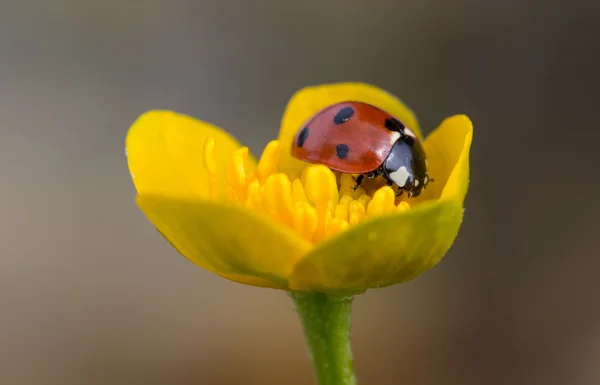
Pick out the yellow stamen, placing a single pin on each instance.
(268, 160)
(343, 225)
(231, 194)
(347, 184)
(356, 212)
(253, 194)
(305, 220)
(321, 190)
(299, 215)
(210, 164)
(278, 191)
(320, 184)
(258, 200)
(298, 191)
(336, 225)
(364, 199)
(345, 200)
(316, 206)
(402, 207)
(382, 202)
(237, 173)
(341, 211)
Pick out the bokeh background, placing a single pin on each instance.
(91, 294)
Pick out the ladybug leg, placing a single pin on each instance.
(399, 192)
(358, 181)
(429, 180)
(389, 183)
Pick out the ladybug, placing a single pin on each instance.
(358, 138)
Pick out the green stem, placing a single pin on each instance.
(326, 322)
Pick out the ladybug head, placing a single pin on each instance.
(406, 167)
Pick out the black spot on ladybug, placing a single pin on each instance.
(394, 124)
(343, 115)
(302, 137)
(341, 150)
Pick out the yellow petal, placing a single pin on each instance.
(165, 152)
(251, 281)
(387, 250)
(447, 150)
(308, 101)
(227, 239)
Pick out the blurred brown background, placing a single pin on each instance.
(91, 294)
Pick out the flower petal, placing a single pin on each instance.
(308, 101)
(381, 252)
(227, 239)
(165, 155)
(447, 150)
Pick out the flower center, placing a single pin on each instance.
(318, 204)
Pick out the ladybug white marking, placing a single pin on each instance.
(400, 176)
(394, 138)
(416, 183)
(408, 132)
(426, 180)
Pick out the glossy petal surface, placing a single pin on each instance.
(227, 239)
(381, 252)
(165, 155)
(447, 149)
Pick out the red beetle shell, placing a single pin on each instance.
(349, 137)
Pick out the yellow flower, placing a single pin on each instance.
(281, 223)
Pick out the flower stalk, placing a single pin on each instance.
(326, 322)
